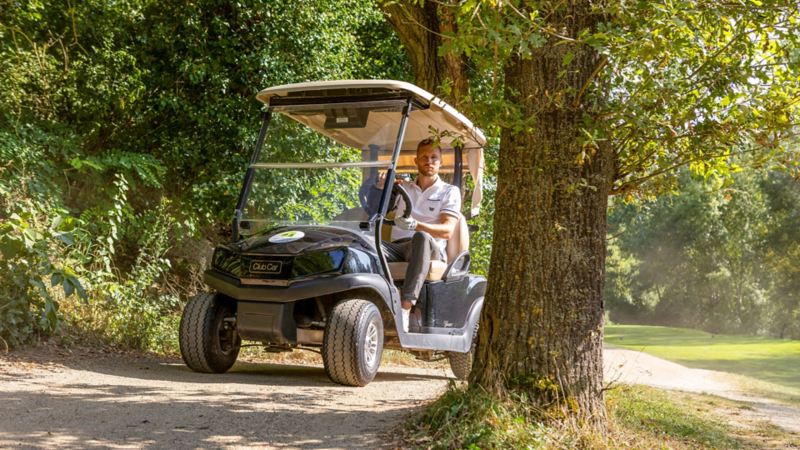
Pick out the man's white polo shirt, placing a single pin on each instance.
(428, 205)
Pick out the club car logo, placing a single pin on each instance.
(265, 267)
(286, 236)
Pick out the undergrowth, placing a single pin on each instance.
(470, 418)
(96, 275)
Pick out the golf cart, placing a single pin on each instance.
(305, 268)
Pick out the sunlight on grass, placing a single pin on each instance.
(767, 366)
(654, 412)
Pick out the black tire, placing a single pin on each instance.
(209, 344)
(461, 363)
(353, 343)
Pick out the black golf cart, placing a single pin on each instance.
(305, 268)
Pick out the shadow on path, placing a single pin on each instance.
(159, 403)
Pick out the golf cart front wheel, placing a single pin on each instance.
(208, 338)
(353, 343)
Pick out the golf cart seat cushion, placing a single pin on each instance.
(398, 270)
(458, 242)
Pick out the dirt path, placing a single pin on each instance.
(89, 399)
(627, 366)
(118, 401)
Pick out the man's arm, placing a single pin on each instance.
(442, 230)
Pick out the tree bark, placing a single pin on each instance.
(542, 321)
(422, 30)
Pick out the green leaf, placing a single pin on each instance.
(56, 279)
(10, 247)
(66, 238)
(69, 288)
(568, 57)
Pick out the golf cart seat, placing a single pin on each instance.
(457, 245)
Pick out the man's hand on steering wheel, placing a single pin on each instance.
(403, 223)
(406, 222)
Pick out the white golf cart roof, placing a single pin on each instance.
(438, 114)
(433, 114)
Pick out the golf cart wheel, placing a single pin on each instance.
(208, 338)
(353, 343)
(461, 363)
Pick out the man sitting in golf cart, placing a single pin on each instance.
(423, 236)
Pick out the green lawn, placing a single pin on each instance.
(772, 360)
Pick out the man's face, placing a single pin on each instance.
(428, 160)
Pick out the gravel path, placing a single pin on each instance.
(88, 399)
(117, 401)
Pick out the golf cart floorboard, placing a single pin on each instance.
(437, 331)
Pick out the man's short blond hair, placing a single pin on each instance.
(427, 142)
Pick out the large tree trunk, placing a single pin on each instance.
(542, 323)
(421, 29)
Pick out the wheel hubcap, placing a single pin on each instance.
(227, 336)
(371, 344)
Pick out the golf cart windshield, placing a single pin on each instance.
(303, 177)
(328, 141)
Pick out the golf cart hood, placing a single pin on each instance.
(296, 240)
(287, 253)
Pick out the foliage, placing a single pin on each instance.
(36, 238)
(716, 256)
(696, 82)
(683, 84)
(131, 121)
(782, 255)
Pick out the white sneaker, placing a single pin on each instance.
(406, 318)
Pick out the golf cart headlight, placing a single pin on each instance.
(318, 263)
(226, 261)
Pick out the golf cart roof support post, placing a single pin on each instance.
(386, 194)
(458, 164)
(248, 175)
(373, 156)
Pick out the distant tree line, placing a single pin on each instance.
(722, 257)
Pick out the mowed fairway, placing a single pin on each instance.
(774, 361)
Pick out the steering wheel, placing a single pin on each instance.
(397, 189)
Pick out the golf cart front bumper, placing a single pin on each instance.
(325, 285)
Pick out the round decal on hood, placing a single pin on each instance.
(286, 236)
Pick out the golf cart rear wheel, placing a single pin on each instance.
(208, 338)
(353, 343)
(461, 363)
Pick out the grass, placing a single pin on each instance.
(641, 414)
(766, 366)
(639, 417)
(686, 420)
